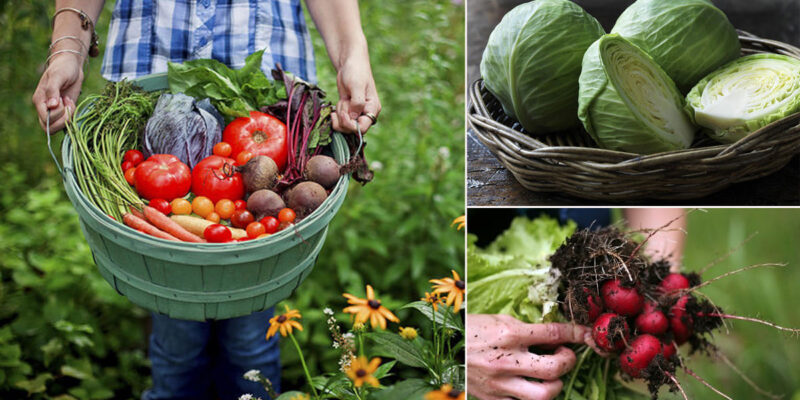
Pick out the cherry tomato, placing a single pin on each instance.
(263, 235)
(255, 229)
(223, 149)
(242, 218)
(284, 225)
(130, 175)
(181, 206)
(217, 233)
(240, 204)
(216, 178)
(260, 134)
(213, 217)
(286, 215)
(161, 205)
(202, 206)
(243, 157)
(162, 176)
(126, 165)
(134, 156)
(225, 208)
(270, 224)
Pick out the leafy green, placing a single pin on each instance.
(512, 275)
(687, 38)
(628, 103)
(745, 95)
(532, 62)
(233, 92)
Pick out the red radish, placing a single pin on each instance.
(622, 300)
(651, 320)
(668, 350)
(673, 282)
(680, 322)
(594, 304)
(610, 331)
(643, 349)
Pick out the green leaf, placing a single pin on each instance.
(392, 345)
(51, 350)
(410, 389)
(288, 395)
(444, 314)
(35, 385)
(77, 368)
(337, 385)
(383, 369)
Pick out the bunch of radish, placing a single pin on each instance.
(639, 312)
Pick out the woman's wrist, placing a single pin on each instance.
(352, 49)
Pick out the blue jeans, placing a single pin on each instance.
(206, 360)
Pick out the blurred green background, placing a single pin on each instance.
(64, 333)
(771, 358)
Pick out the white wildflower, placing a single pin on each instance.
(253, 375)
(248, 396)
(444, 152)
(376, 165)
(327, 311)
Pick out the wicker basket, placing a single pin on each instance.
(570, 162)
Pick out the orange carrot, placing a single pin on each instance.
(163, 222)
(142, 225)
(136, 212)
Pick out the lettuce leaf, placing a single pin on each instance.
(512, 275)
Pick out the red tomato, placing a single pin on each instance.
(129, 176)
(161, 205)
(240, 204)
(222, 149)
(215, 177)
(162, 176)
(255, 229)
(217, 233)
(242, 218)
(260, 134)
(134, 156)
(270, 224)
(126, 165)
(286, 215)
(243, 157)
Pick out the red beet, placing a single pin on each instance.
(680, 322)
(643, 349)
(651, 320)
(594, 304)
(668, 350)
(610, 331)
(673, 282)
(622, 300)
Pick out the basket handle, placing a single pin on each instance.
(50, 147)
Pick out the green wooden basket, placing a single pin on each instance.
(203, 281)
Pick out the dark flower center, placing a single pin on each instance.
(374, 304)
(361, 373)
(282, 319)
(460, 285)
(453, 394)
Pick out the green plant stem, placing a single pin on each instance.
(574, 373)
(305, 367)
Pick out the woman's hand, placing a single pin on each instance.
(58, 90)
(499, 361)
(357, 96)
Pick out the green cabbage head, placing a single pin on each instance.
(628, 103)
(532, 61)
(745, 95)
(687, 38)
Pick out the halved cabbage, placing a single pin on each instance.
(745, 95)
(687, 38)
(627, 102)
(532, 62)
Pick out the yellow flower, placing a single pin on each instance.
(454, 287)
(301, 396)
(369, 309)
(408, 333)
(360, 371)
(285, 322)
(446, 392)
(461, 221)
(434, 299)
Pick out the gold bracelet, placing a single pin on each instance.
(75, 38)
(47, 62)
(86, 24)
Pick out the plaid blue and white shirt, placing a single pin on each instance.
(145, 34)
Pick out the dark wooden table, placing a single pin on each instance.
(490, 184)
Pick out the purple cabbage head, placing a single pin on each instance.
(183, 127)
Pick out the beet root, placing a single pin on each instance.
(673, 282)
(260, 172)
(622, 300)
(323, 170)
(609, 332)
(305, 197)
(681, 321)
(643, 349)
(651, 320)
(263, 203)
(594, 304)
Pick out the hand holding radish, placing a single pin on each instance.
(500, 362)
